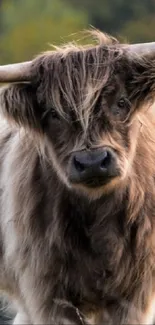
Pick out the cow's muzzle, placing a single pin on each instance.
(93, 168)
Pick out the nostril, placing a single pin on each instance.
(106, 160)
(78, 165)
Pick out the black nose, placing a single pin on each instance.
(93, 167)
(84, 162)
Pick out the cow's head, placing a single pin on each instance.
(84, 104)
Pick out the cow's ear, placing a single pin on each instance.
(141, 81)
(18, 104)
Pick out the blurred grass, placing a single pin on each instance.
(29, 28)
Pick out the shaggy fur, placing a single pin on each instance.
(71, 254)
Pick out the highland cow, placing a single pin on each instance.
(77, 185)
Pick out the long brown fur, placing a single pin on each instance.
(70, 254)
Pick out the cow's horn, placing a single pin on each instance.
(22, 71)
(15, 72)
(141, 48)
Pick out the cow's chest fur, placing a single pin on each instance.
(89, 259)
(83, 253)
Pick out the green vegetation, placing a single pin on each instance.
(27, 27)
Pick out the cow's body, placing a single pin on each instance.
(42, 222)
(85, 253)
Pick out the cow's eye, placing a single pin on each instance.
(122, 107)
(54, 114)
(122, 103)
(50, 114)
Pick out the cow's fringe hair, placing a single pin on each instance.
(73, 75)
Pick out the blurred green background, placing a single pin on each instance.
(27, 27)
